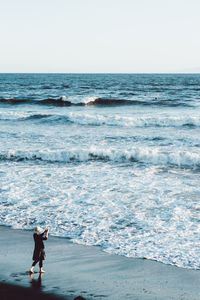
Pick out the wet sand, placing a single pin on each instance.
(79, 271)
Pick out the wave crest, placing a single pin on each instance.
(137, 154)
(95, 102)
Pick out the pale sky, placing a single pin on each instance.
(95, 36)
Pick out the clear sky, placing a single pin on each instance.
(123, 36)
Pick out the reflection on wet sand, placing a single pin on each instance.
(36, 283)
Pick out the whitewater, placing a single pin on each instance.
(111, 160)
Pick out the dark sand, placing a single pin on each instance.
(11, 292)
(76, 270)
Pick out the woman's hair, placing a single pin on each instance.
(38, 230)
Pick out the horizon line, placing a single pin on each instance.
(158, 73)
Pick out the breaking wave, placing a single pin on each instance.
(83, 118)
(134, 121)
(154, 156)
(62, 101)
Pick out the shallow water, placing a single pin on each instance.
(123, 175)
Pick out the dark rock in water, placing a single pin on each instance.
(14, 101)
(58, 102)
(66, 86)
(104, 101)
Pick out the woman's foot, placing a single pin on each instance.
(42, 271)
(31, 270)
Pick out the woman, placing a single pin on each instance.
(39, 251)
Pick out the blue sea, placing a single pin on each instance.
(111, 160)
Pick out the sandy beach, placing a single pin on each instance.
(80, 271)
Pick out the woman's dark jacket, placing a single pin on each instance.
(39, 251)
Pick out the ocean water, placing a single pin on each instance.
(104, 159)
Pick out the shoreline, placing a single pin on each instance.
(74, 270)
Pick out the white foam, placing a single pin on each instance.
(133, 212)
(86, 100)
(13, 115)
